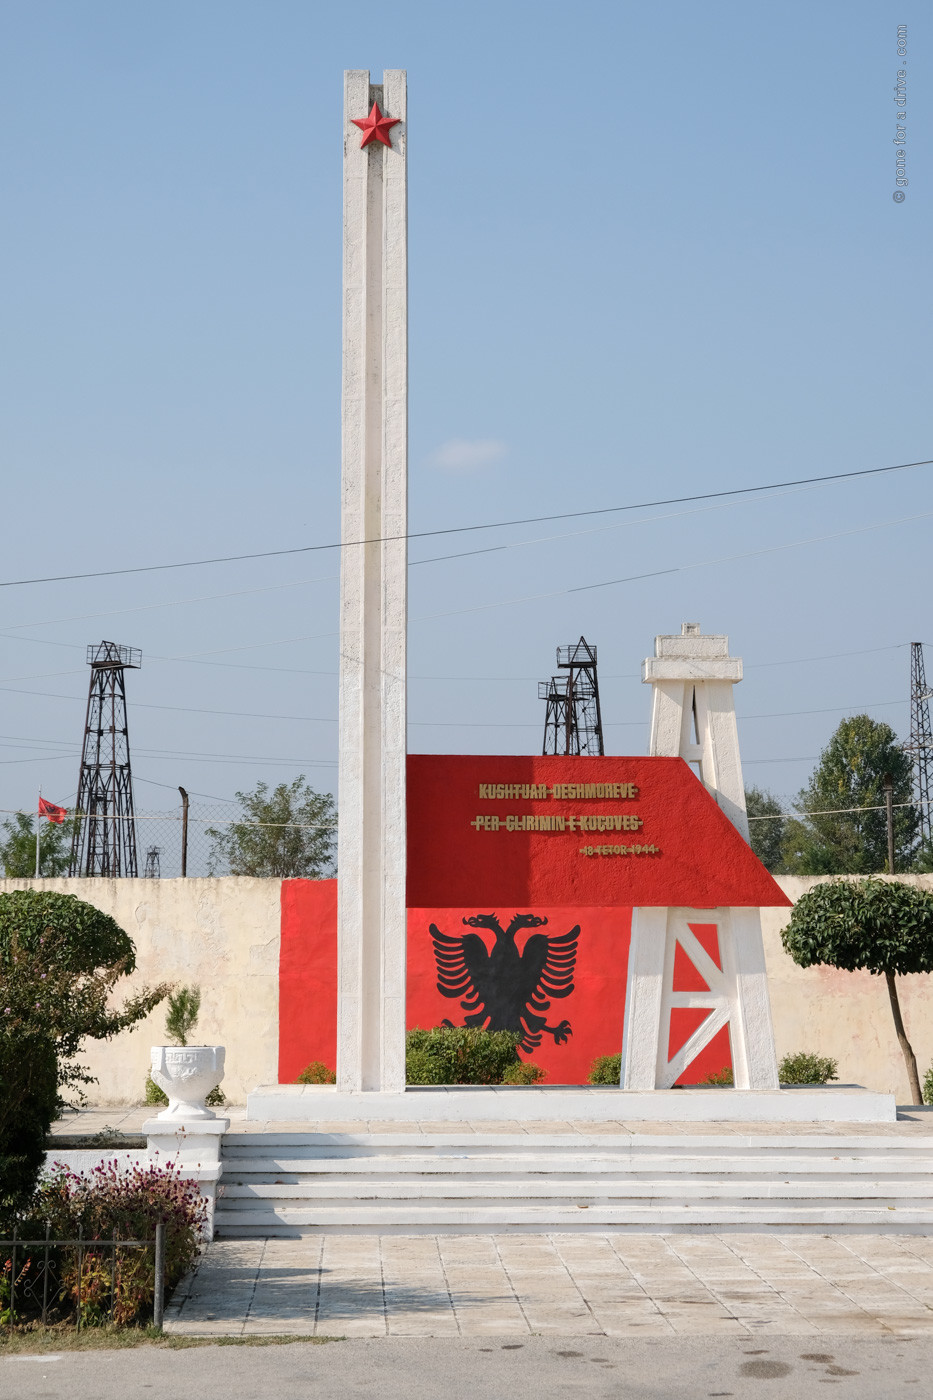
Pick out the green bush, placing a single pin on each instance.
(928, 1086)
(154, 1095)
(60, 961)
(525, 1072)
(719, 1078)
(316, 1073)
(459, 1055)
(606, 1069)
(803, 1068)
(28, 1107)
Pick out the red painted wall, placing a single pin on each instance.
(454, 858)
(463, 861)
(307, 976)
(594, 1008)
(308, 984)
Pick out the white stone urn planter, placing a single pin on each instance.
(187, 1074)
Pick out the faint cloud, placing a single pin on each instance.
(467, 455)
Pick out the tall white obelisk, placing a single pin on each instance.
(371, 916)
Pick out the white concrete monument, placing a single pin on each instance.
(371, 926)
(693, 717)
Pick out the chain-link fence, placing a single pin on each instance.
(162, 837)
(169, 845)
(186, 840)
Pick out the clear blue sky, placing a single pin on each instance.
(654, 251)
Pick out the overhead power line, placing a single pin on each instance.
(413, 563)
(834, 811)
(467, 529)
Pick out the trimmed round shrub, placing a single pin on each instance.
(84, 939)
(60, 960)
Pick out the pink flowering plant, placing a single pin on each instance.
(108, 1203)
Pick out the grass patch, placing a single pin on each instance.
(35, 1341)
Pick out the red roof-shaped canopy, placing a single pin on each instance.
(514, 831)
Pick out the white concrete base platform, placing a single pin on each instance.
(282, 1183)
(298, 1103)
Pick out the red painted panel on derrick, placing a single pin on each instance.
(532, 831)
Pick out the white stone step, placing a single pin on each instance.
(582, 1189)
(273, 1169)
(371, 1219)
(288, 1183)
(722, 1144)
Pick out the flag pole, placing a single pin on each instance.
(38, 829)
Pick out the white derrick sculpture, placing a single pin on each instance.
(693, 717)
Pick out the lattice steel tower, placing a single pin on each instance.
(920, 747)
(572, 723)
(105, 831)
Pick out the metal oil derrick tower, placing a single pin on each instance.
(572, 723)
(920, 747)
(105, 830)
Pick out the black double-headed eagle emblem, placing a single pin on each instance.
(502, 989)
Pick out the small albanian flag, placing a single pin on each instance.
(49, 809)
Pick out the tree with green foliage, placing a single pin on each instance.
(18, 846)
(923, 860)
(287, 833)
(60, 961)
(844, 829)
(878, 926)
(766, 828)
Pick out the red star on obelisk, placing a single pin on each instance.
(375, 127)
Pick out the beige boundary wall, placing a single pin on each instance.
(224, 935)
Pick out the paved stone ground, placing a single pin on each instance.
(561, 1285)
(574, 1285)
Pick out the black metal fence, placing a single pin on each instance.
(38, 1284)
